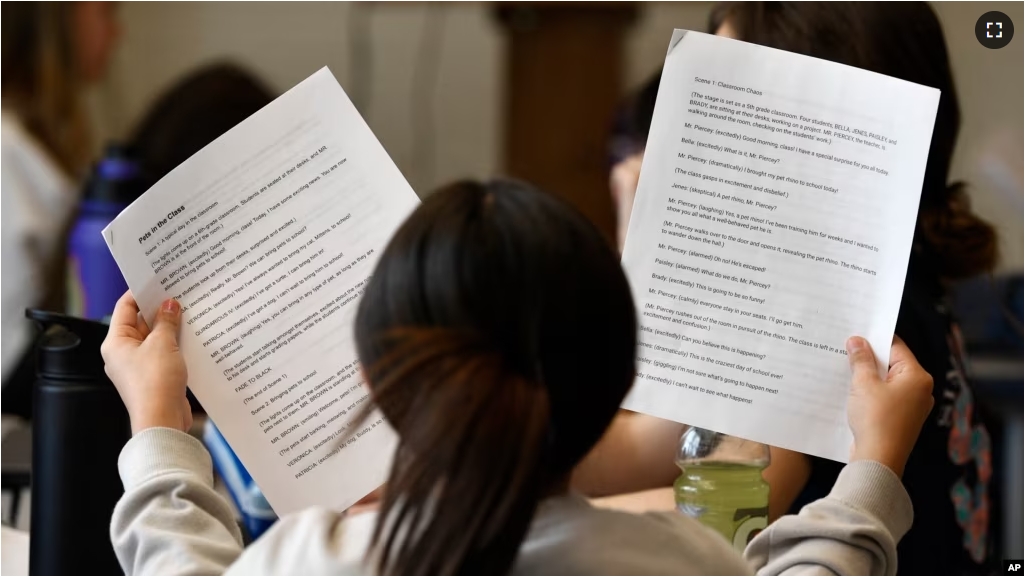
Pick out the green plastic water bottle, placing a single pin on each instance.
(722, 485)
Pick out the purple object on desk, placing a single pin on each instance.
(95, 282)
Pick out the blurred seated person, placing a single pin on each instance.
(193, 113)
(51, 52)
(949, 473)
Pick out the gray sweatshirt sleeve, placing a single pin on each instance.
(853, 531)
(170, 521)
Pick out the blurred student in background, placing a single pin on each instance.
(51, 52)
(949, 472)
(193, 113)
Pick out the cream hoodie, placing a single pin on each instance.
(171, 521)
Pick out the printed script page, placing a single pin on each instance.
(773, 220)
(267, 238)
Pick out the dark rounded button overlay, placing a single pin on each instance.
(994, 30)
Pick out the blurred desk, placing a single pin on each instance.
(16, 469)
(998, 377)
(13, 551)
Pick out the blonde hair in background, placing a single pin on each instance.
(41, 81)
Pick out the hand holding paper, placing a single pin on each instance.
(266, 238)
(147, 366)
(773, 220)
(882, 434)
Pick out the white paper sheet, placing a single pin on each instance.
(267, 237)
(773, 219)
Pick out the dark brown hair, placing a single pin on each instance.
(903, 40)
(497, 335)
(41, 80)
(193, 113)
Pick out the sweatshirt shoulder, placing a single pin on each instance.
(602, 541)
(706, 550)
(315, 541)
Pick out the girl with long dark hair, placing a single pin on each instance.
(497, 337)
(51, 52)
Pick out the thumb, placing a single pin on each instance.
(168, 319)
(863, 361)
(900, 353)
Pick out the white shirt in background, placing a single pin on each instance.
(37, 201)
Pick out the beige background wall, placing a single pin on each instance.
(372, 48)
(442, 64)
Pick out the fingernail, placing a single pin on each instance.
(855, 344)
(170, 306)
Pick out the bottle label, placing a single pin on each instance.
(747, 523)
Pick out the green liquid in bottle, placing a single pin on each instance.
(730, 497)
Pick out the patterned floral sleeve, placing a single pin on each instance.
(969, 446)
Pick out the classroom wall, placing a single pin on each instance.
(989, 152)
(429, 79)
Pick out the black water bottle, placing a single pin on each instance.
(79, 426)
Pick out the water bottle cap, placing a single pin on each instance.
(116, 178)
(69, 347)
(117, 169)
(704, 445)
